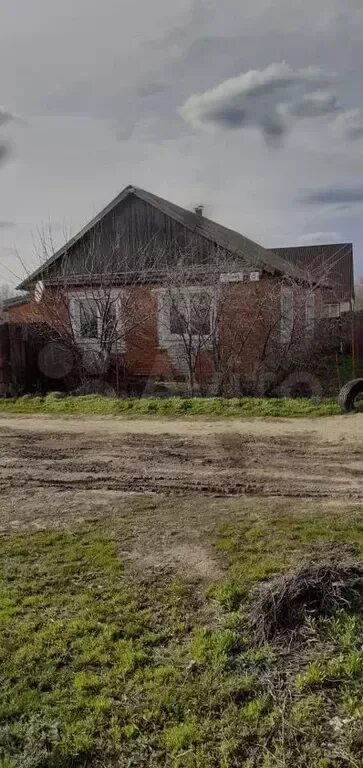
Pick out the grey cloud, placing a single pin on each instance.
(143, 85)
(8, 117)
(149, 90)
(356, 133)
(312, 238)
(4, 152)
(7, 251)
(335, 196)
(350, 124)
(316, 104)
(273, 126)
(130, 78)
(252, 98)
(7, 225)
(76, 99)
(201, 43)
(5, 116)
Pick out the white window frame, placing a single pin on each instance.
(164, 313)
(287, 323)
(75, 297)
(329, 312)
(345, 306)
(310, 312)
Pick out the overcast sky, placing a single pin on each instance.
(253, 108)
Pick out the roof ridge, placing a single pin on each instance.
(310, 245)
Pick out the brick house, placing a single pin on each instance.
(174, 269)
(331, 263)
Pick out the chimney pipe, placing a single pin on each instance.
(199, 210)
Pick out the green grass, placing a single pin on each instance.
(98, 670)
(244, 407)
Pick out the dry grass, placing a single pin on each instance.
(283, 605)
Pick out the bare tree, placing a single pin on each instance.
(97, 302)
(222, 330)
(248, 337)
(6, 292)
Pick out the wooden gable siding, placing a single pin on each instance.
(133, 232)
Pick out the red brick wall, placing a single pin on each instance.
(144, 356)
(24, 313)
(249, 308)
(51, 310)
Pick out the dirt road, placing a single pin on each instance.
(56, 466)
(331, 429)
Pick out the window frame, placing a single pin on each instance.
(74, 299)
(328, 313)
(286, 330)
(164, 313)
(310, 312)
(82, 321)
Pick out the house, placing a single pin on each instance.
(170, 294)
(331, 263)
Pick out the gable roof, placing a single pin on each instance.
(15, 301)
(331, 263)
(228, 239)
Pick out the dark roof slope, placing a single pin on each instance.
(15, 301)
(226, 238)
(331, 263)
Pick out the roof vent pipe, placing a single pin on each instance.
(199, 210)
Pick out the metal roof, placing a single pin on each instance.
(16, 300)
(325, 264)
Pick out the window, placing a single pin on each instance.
(88, 319)
(310, 312)
(178, 316)
(191, 312)
(331, 310)
(185, 313)
(344, 307)
(95, 319)
(287, 314)
(108, 321)
(200, 314)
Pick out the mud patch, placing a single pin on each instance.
(227, 464)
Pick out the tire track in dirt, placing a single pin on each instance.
(227, 464)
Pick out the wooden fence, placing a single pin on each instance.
(21, 348)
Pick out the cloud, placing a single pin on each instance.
(4, 152)
(316, 104)
(137, 62)
(7, 117)
(350, 124)
(253, 98)
(7, 224)
(340, 196)
(7, 251)
(320, 238)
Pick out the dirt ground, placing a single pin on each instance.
(44, 458)
(170, 483)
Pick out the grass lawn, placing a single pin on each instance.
(244, 407)
(103, 668)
